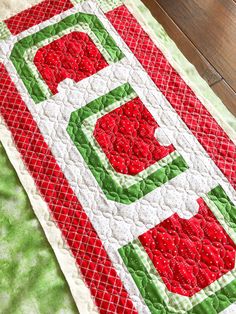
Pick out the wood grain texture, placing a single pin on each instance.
(226, 94)
(205, 31)
(211, 26)
(184, 43)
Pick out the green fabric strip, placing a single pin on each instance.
(4, 31)
(218, 301)
(111, 189)
(24, 261)
(214, 303)
(225, 206)
(17, 54)
(142, 279)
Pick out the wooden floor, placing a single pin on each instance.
(205, 31)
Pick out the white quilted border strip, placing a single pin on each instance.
(79, 290)
(12, 7)
(132, 6)
(16, 6)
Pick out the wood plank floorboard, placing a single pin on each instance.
(184, 44)
(211, 27)
(205, 31)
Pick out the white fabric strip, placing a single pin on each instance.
(113, 230)
(79, 290)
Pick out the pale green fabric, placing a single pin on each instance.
(30, 278)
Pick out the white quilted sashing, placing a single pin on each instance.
(118, 224)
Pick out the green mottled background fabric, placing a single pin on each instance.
(30, 279)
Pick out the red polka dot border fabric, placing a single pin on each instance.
(136, 177)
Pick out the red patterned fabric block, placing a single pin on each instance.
(190, 254)
(73, 56)
(126, 135)
(37, 14)
(178, 93)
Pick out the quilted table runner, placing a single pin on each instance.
(131, 177)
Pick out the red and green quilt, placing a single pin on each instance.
(131, 177)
